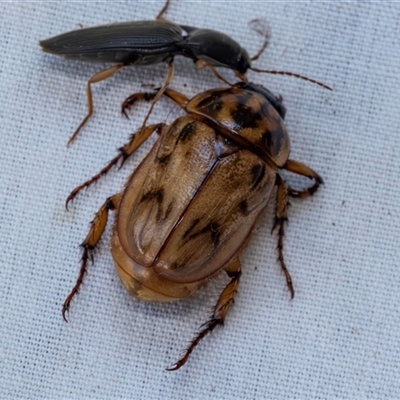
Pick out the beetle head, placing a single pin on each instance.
(243, 62)
(216, 48)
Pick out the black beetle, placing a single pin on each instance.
(152, 42)
(149, 42)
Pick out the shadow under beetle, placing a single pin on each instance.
(153, 42)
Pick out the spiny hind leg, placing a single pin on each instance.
(281, 206)
(98, 77)
(88, 245)
(282, 203)
(226, 299)
(125, 151)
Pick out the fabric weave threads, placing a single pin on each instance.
(338, 338)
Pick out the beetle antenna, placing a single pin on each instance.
(305, 78)
(262, 28)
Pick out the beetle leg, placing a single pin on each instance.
(177, 97)
(163, 11)
(226, 299)
(96, 231)
(204, 63)
(302, 169)
(131, 100)
(161, 91)
(98, 77)
(125, 151)
(281, 206)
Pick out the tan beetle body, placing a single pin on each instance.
(190, 205)
(189, 208)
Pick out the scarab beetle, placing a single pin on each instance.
(188, 210)
(152, 42)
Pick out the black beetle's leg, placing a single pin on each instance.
(177, 97)
(161, 91)
(125, 151)
(133, 98)
(203, 64)
(226, 299)
(281, 206)
(163, 11)
(96, 231)
(301, 169)
(98, 77)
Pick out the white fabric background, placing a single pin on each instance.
(338, 338)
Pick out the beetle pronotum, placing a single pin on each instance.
(152, 42)
(189, 208)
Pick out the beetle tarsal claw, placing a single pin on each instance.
(133, 98)
(65, 311)
(173, 367)
(69, 198)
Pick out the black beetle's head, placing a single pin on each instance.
(216, 48)
(243, 62)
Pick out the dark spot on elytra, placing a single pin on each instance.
(215, 234)
(244, 117)
(273, 138)
(244, 207)
(186, 133)
(194, 223)
(158, 195)
(212, 227)
(244, 97)
(163, 160)
(211, 103)
(257, 172)
(267, 139)
(175, 265)
(168, 211)
(228, 142)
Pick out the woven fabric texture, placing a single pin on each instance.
(338, 338)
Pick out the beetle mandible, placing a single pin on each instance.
(151, 42)
(188, 210)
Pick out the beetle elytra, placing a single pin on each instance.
(188, 210)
